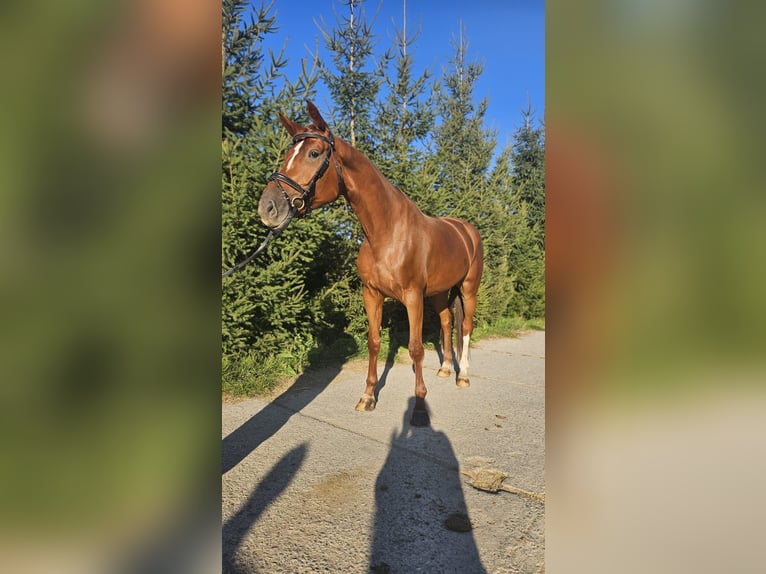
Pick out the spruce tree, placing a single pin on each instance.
(464, 147)
(518, 178)
(355, 80)
(529, 170)
(275, 310)
(497, 228)
(405, 121)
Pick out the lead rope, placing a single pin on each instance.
(272, 234)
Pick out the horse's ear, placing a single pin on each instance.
(316, 117)
(291, 127)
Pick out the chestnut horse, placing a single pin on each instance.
(405, 254)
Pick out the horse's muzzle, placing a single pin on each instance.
(274, 210)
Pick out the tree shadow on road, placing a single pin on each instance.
(238, 444)
(236, 528)
(421, 520)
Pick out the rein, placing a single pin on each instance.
(272, 234)
(296, 203)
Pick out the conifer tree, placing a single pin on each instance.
(464, 146)
(526, 264)
(528, 161)
(276, 309)
(355, 80)
(405, 121)
(497, 228)
(518, 260)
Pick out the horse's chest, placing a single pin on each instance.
(382, 277)
(391, 272)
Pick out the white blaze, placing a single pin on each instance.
(295, 154)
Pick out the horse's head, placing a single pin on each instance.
(302, 183)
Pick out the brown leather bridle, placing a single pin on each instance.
(303, 201)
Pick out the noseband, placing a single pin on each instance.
(306, 193)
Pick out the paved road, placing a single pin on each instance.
(311, 485)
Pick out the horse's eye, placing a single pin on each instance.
(313, 154)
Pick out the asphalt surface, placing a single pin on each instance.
(311, 485)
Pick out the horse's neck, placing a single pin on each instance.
(375, 201)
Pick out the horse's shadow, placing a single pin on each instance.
(421, 519)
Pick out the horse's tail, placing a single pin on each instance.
(458, 313)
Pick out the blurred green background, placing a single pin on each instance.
(663, 102)
(656, 213)
(110, 226)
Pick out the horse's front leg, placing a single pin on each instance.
(413, 301)
(373, 304)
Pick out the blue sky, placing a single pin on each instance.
(507, 36)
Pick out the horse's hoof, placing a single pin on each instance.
(463, 383)
(444, 372)
(420, 419)
(366, 404)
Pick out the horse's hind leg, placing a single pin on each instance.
(441, 305)
(469, 307)
(468, 291)
(373, 304)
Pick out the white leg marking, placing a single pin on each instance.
(295, 154)
(464, 356)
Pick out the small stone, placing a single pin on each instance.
(458, 522)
